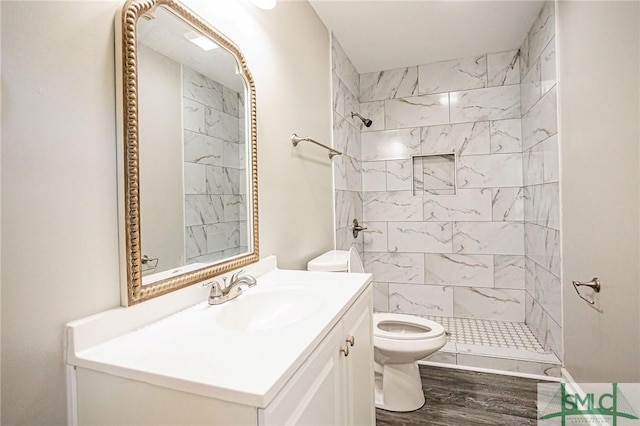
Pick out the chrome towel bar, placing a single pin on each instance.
(295, 140)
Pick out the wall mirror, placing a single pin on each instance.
(186, 151)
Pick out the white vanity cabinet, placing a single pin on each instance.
(334, 385)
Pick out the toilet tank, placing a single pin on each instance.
(331, 261)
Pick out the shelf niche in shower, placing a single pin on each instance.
(434, 174)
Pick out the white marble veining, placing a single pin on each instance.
(494, 103)
(553, 337)
(399, 175)
(232, 205)
(195, 241)
(506, 136)
(548, 67)
(375, 112)
(467, 205)
(541, 121)
(502, 69)
(488, 237)
(230, 102)
(509, 272)
(533, 165)
(459, 270)
(496, 170)
(392, 84)
(548, 293)
(201, 89)
(542, 205)
(222, 236)
(338, 94)
(525, 63)
(420, 237)
(221, 125)
(193, 114)
(348, 173)
(202, 149)
(392, 206)
(375, 238)
(420, 299)
(530, 275)
(489, 303)
(390, 144)
(343, 68)
(425, 110)
(231, 155)
(536, 319)
(351, 104)
(457, 74)
(223, 180)
(507, 204)
(464, 139)
(203, 209)
(542, 30)
(395, 267)
(380, 296)
(195, 181)
(530, 88)
(374, 176)
(434, 174)
(542, 245)
(551, 160)
(348, 206)
(341, 133)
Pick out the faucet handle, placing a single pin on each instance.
(216, 291)
(235, 276)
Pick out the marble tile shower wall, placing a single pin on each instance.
(541, 182)
(214, 185)
(453, 256)
(346, 138)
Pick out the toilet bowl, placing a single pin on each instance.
(399, 341)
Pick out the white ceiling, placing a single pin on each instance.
(382, 35)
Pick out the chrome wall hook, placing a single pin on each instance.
(594, 284)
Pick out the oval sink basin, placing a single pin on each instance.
(270, 308)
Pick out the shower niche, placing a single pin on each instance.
(434, 174)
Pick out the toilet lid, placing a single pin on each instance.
(405, 327)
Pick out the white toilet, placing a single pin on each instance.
(399, 341)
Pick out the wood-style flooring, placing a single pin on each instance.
(461, 398)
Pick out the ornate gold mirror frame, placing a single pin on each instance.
(132, 289)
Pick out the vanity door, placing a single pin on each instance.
(358, 365)
(314, 396)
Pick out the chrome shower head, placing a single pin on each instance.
(365, 121)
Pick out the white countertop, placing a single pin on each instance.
(191, 352)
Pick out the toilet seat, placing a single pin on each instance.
(405, 327)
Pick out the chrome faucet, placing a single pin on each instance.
(219, 295)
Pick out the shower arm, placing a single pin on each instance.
(295, 140)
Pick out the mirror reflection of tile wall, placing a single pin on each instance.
(214, 169)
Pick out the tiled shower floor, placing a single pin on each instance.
(495, 345)
(489, 333)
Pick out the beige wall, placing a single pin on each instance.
(59, 216)
(161, 133)
(599, 81)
